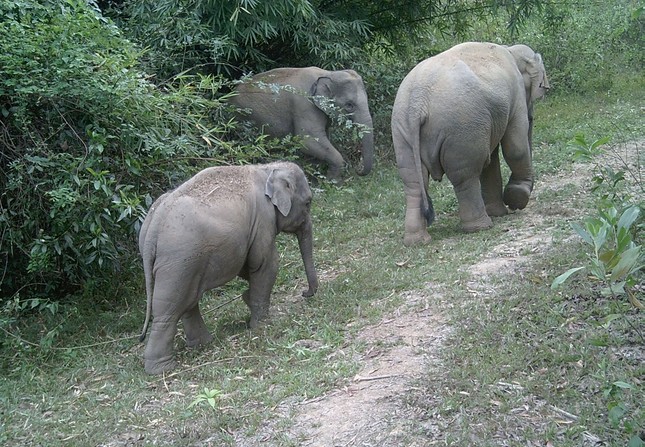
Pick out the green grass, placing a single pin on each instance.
(517, 354)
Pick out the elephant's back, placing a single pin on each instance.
(219, 182)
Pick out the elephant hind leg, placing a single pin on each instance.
(472, 210)
(417, 218)
(196, 331)
(158, 356)
(491, 183)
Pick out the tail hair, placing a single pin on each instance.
(428, 212)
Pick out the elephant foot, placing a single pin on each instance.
(496, 209)
(516, 196)
(414, 239)
(160, 366)
(260, 315)
(203, 339)
(257, 324)
(483, 223)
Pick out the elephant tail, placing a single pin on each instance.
(427, 208)
(148, 264)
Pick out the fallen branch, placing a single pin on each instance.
(565, 413)
(366, 379)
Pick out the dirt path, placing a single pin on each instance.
(371, 410)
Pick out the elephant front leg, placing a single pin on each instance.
(196, 331)
(472, 211)
(321, 149)
(517, 153)
(258, 296)
(491, 184)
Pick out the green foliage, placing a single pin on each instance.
(616, 260)
(210, 397)
(586, 47)
(614, 235)
(607, 176)
(232, 36)
(255, 35)
(619, 411)
(87, 143)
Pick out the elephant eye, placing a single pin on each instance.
(350, 106)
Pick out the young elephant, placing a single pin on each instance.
(220, 224)
(450, 115)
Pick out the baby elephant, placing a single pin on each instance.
(220, 224)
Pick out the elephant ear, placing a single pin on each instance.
(321, 92)
(533, 73)
(279, 188)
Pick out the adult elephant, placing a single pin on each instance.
(451, 114)
(220, 224)
(293, 101)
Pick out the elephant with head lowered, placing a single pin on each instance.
(291, 101)
(220, 224)
(451, 114)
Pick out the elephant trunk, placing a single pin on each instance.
(367, 144)
(305, 242)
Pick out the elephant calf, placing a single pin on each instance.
(300, 109)
(450, 116)
(220, 224)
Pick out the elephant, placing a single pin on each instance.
(220, 224)
(451, 114)
(299, 109)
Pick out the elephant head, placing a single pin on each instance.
(290, 194)
(533, 73)
(347, 91)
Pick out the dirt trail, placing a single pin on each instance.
(371, 410)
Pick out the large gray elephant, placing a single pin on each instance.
(451, 114)
(300, 108)
(220, 224)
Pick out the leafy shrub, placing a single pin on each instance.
(87, 142)
(583, 53)
(617, 259)
(233, 37)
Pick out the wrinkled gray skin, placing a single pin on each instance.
(451, 114)
(220, 224)
(281, 112)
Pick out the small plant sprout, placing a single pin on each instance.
(209, 396)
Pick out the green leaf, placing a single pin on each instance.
(609, 318)
(636, 441)
(616, 414)
(563, 277)
(626, 265)
(583, 233)
(623, 385)
(599, 142)
(628, 217)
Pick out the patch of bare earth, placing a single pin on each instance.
(370, 410)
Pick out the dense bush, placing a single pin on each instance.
(585, 46)
(256, 35)
(87, 141)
